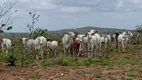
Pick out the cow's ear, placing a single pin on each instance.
(92, 33)
(96, 31)
(26, 39)
(59, 41)
(86, 34)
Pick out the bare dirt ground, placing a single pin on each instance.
(92, 72)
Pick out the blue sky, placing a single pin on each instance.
(65, 14)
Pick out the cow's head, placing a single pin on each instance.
(89, 34)
(80, 37)
(71, 34)
(24, 40)
(48, 43)
(41, 40)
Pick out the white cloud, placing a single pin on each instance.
(66, 13)
(120, 3)
(74, 9)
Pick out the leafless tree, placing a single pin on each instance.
(35, 18)
(5, 9)
(5, 15)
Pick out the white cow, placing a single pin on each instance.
(28, 44)
(83, 46)
(114, 37)
(67, 41)
(89, 35)
(123, 38)
(40, 44)
(52, 45)
(102, 40)
(95, 43)
(6, 44)
(130, 34)
(107, 40)
(85, 41)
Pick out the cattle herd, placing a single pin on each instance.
(90, 43)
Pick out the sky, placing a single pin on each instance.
(67, 14)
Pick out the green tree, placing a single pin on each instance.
(139, 34)
(139, 28)
(40, 32)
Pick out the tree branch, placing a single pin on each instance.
(4, 10)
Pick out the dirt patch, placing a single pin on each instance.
(92, 72)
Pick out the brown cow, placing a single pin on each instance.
(76, 44)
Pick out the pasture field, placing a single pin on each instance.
(114, 65)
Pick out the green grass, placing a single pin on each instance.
(132, 60)
(16, 51)
(34, 76)
(132, 75)
(112, 78)
(98, 75)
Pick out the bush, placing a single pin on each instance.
(29, 59)
(45, 63)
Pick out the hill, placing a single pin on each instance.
(80, 30)
(85, 29)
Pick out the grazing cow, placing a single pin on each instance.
(52, 45)
(6, 44)
(28, 44)
(122, 38)
(40, 44)
(67, 41)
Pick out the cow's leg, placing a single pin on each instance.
(29, 50)
(55, 52)
(88, 51)
(123, 46)
(42, 54)
(119, 47)
(92, 50)
(24, 50)
(3, 50)
(79, 50)
(100, 47)
(64, 50)
(117, 43)
(37, 55)
(105, 45)
(97, 50)
(6, 51)
(69, 51)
